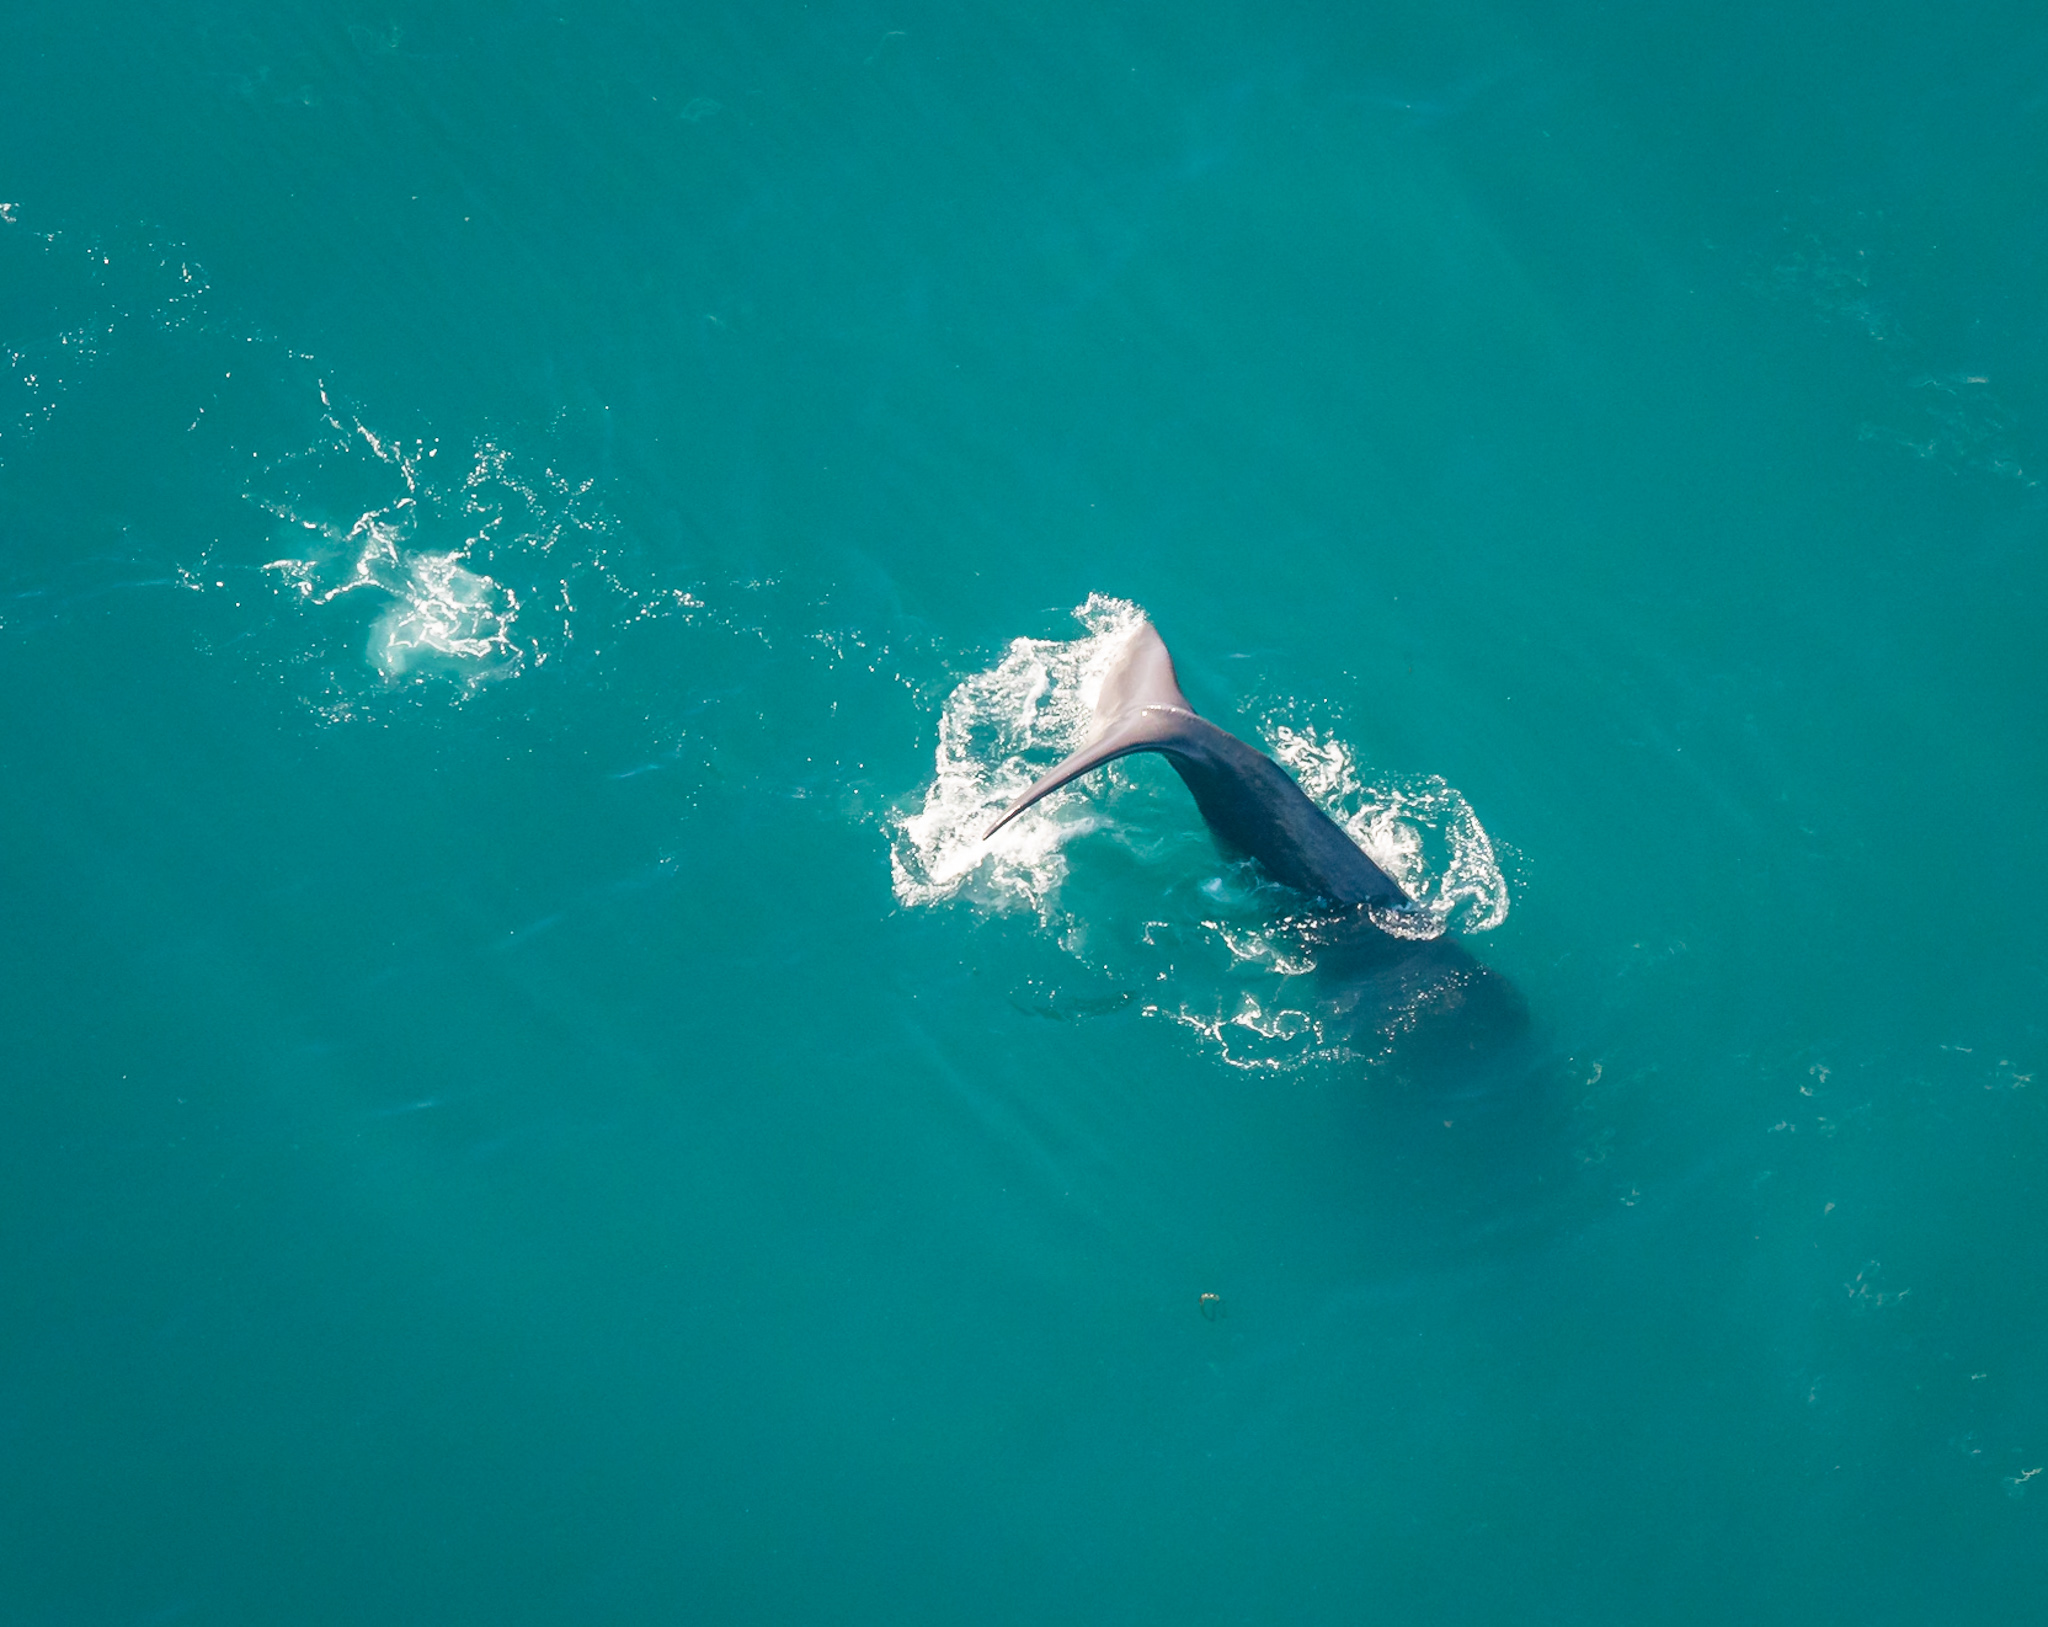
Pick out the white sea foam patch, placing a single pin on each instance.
(438, 612)
(999, 730)
(1263, 1036)
(1422, 832)
(454, 556)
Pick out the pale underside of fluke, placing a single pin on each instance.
(1249, 802)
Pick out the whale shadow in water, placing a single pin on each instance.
(1407, 1005)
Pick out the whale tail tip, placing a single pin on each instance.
(1140, 708)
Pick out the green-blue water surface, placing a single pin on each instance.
(496, 504)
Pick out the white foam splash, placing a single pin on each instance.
(431, 547)
(1000, 730)
(1266, 951)
(1261, 1037)
(446, 611)
(1422, 832)
(442, 615)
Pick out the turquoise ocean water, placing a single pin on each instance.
(530, 543)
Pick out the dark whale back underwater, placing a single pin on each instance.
(1427, 998)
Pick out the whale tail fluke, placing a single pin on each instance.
(1141, 708)
(1249, 802)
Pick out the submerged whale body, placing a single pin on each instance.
(1424, 996)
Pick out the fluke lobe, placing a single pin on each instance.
(1423, 996)
(1247, 799)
